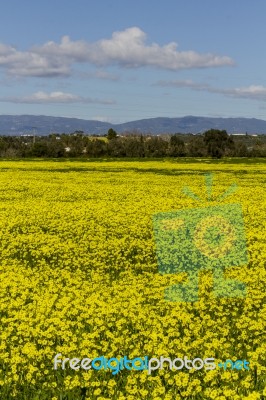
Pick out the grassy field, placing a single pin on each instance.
(79, 276)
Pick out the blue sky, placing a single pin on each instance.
(124, 60)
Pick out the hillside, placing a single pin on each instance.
(43, 125)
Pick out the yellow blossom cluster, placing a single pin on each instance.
(79, 277)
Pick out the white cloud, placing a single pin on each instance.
(104, 118)
(30, 63)
(98, 74)
(54, 97)
(101, 74)
(252, 92)
(183, 84)
(126, 48)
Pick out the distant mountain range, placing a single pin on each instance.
(44, 125)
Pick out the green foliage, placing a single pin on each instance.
(217, 142)
(212, 143)
(177, 146)
(111, 134)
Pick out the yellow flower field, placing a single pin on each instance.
(79, 276)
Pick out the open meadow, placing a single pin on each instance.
(80, 278)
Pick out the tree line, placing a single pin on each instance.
(212, 143)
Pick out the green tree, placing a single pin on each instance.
(39, 149)
(134, 146)
(177, 146)
(241, 150)
(196, 147)
(217, 141)
(111, 134)
(116, 148)
(97, 148)
(155, 147)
